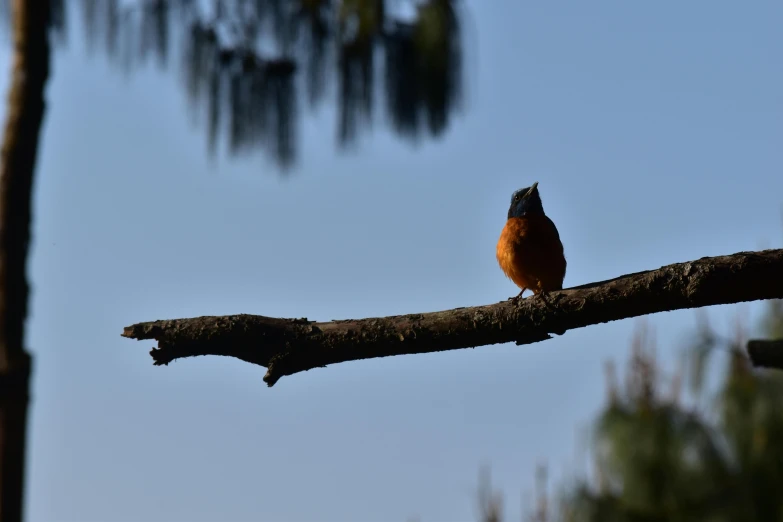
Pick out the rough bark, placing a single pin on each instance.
(288, 346)
(766, 353)
(29, 73)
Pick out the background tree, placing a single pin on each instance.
(664, 455)
(659, 458)
(246, 64)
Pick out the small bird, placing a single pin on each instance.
(529, 250)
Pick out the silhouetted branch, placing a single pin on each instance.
(766, 353)
(288, 346)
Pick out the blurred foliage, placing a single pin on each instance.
(663, 455)
(240, 60)
(773, 321)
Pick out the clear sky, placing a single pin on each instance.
(654, 129)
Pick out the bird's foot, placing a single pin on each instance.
(549, 303)
(546, 298)
(517, 297)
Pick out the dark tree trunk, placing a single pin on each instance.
(29, 72)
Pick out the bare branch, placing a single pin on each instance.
(766, 353)
(289, 346)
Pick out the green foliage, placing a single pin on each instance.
(240, 59)
(773, 320)
(715, 457)
(660, 459)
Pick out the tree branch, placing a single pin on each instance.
(766, 353)
(289, 346)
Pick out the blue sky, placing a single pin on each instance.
(654, 130)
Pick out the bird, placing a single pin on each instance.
(529, 250)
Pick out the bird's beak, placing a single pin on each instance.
(532, 189)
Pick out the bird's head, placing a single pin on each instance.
(526, 201)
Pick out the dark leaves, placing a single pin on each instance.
(659, 459)
(252, 100)
(240, 58)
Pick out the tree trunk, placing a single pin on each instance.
(29, 72)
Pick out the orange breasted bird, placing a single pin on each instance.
(529, 250)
